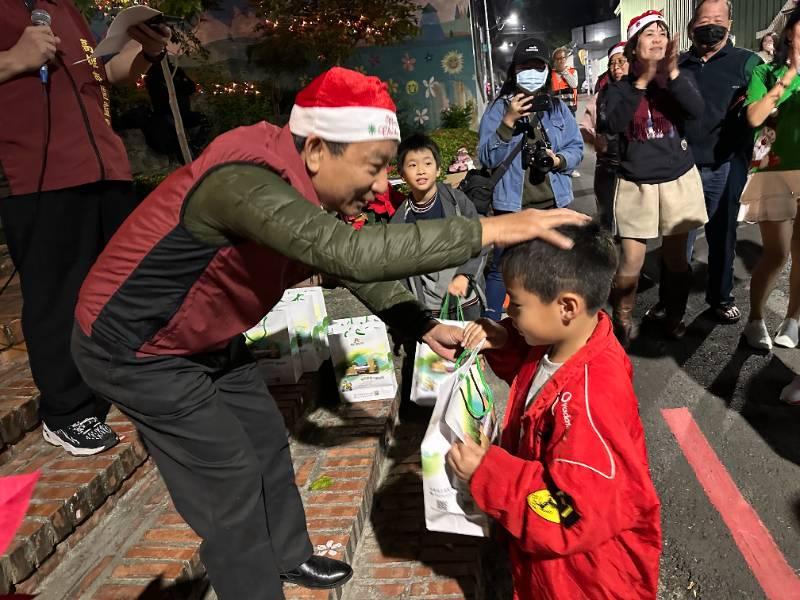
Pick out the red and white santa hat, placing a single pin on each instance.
(345, 106)
(617, 49)
(643, 20)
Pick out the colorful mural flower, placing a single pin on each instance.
(374, 60)
(412, 87)
(392, 85)
(453, 62)
(409, 62)
(422, 116)
(430, 87)
(429, 57)
(361, 69)
(304, 80)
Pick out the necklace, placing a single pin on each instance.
(425, 207)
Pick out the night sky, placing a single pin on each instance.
(560, 14)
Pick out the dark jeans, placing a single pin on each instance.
(495, 286)
(54, 242)
(220, 444)
(723, 188)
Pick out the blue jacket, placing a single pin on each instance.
(562, 130)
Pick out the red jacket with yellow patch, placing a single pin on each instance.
(570, 483)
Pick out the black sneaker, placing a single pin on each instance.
(84, 438)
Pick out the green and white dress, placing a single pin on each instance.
(773, 187)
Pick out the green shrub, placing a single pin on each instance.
(458, 117)
(450, 140)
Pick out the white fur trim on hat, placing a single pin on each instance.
(345, 124)
(638, 24)
(619, 49)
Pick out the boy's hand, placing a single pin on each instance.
(492, 334)
(459, 286)
(465, 458)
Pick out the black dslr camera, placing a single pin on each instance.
(534, 152)
(535, 155)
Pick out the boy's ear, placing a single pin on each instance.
(571, 305)
(312, 153)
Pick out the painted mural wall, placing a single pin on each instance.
(425, 74)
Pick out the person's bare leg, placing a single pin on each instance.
(776, 239)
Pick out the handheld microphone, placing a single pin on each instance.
(42, 17)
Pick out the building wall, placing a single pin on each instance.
(750, 16)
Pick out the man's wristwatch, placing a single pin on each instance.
(155, 59)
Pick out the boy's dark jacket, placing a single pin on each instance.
(454, 203)
(570, 483)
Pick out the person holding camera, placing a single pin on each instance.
(659, 190)
(536, 136)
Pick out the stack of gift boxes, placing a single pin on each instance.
(295, 339)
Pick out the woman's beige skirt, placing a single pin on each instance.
(646, 211)
(770, 196)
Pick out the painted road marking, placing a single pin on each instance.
(754, 541)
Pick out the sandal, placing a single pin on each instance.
(728, 314)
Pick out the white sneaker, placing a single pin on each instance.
(575, 174)
(756, 334)
(791, 393)
(788, 332)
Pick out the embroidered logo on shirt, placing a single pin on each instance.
(554, 508)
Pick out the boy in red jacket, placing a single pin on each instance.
(569, 483)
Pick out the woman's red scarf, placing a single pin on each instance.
(651, 114)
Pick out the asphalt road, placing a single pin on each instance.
(732, 395)
(750, 464)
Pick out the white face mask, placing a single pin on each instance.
(532, 80)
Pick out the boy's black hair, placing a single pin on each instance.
(547, 271)
(415, 143)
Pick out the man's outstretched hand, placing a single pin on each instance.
(515, 228)
(445, 340)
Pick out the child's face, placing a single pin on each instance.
(541, 324)
(420, 170)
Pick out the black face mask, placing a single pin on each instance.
(709, 36)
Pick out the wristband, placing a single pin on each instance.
(155, 59)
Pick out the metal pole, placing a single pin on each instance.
(489, 46)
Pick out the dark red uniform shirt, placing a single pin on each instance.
(82, 147)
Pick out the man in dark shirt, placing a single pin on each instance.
(719, 141)
(65, 187)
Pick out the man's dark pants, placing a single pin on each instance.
(220, 444)
(722, 187)
(53, 242)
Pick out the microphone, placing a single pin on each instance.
(42, 17)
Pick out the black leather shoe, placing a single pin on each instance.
(319, 573)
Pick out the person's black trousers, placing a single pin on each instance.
(53, 242)
(220, 444)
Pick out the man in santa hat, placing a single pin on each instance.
(204, 257)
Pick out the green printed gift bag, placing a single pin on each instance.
(464, 408)
(274, 345)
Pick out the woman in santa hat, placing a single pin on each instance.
(659, 191)
(606, 145)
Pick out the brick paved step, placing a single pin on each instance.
(69, 491)
(142, 544)
(19, 402)
(10, 310)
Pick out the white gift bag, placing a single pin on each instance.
(430, 369)
(274, 344)
(464, 407)
(309, 318)
(362, 359)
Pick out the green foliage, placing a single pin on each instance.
(458, 117)
(144, 184)
(298, 33)
(450, 140)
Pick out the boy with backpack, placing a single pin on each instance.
(419, 162)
